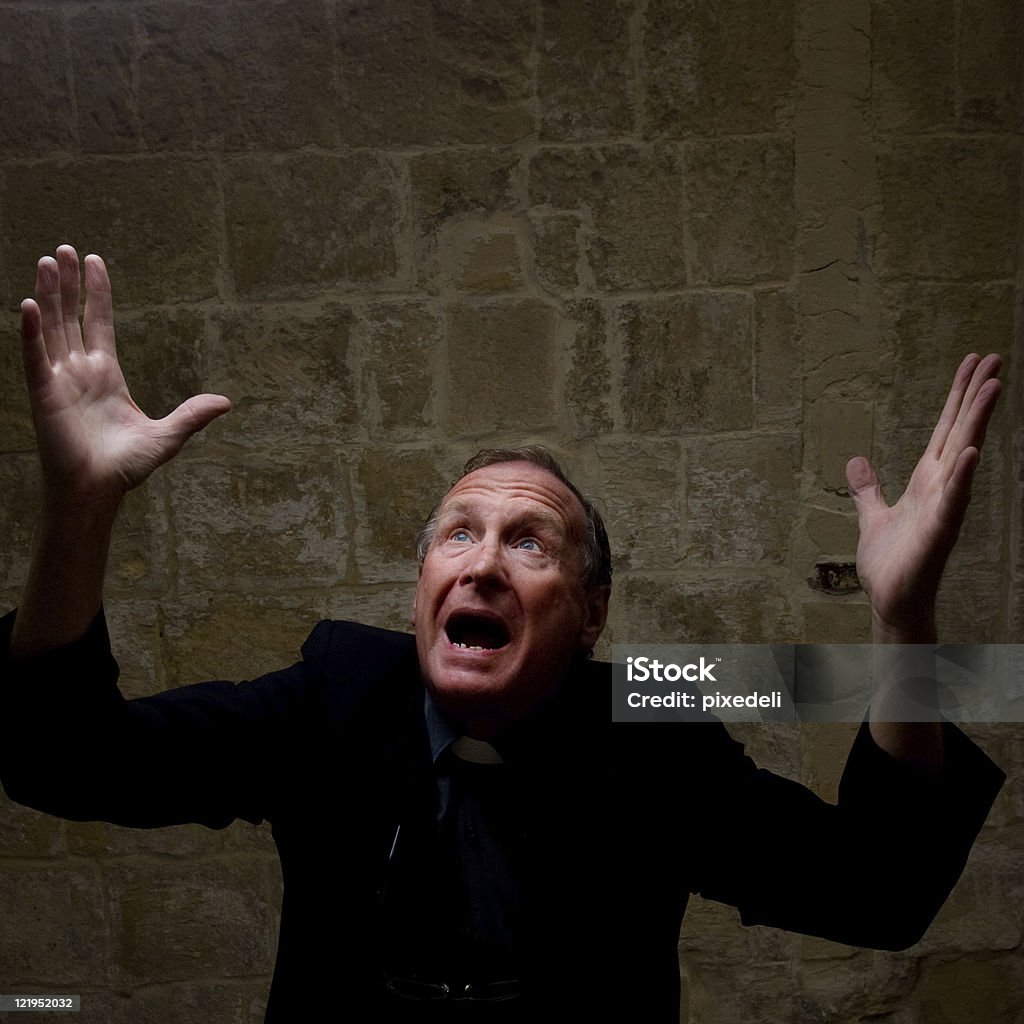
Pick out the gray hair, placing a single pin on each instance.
(597, 555)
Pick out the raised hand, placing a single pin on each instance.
(94, 442)
(903, 549)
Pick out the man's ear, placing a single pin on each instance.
(597, 616)
(416, 594)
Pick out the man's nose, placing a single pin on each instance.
(485, 566)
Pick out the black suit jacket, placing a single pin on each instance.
(624, 821)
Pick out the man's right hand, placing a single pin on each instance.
(94, 442)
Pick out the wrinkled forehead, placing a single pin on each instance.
(518, 488)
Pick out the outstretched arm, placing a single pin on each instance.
(95, 445)
(903, 549)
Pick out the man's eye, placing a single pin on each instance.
(529, 543)
(461, 536)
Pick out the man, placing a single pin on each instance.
(463, 833)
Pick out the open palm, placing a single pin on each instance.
(94, 441)
(903, 548)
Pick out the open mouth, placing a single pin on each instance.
(476, 632)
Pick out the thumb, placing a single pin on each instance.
(193, 415)
(865, 488)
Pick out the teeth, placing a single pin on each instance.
(468, 647)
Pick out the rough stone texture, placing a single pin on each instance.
(739, 199)
(704, 251)
(957, 181)
(715, 69)
(440, 72)
(687, 363)
(301, 224)
(235, 81)
(500, 359)
(585, 75)
(631, 202)
(155, 219)
(34, 76)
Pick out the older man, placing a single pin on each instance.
(462, 832)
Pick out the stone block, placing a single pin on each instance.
(105, 841)
(687, 363)
(236, 76)
(965, 991)
(288, 373)
(489, 263)
(944, 208)
(500, 363)
(852, 985)
(16, 431)
(190, 1002)
(435, 74)
(641, 491)
(588, 386)
(153, 219)
(25, 832)
(835, 432)
(989, 65)
(467, 192)
(103, 57)
(913, 64)
(401, 348)
(386, 605)
(825, 747)
(1004, 743)
(173, 923)
(53, 931)
(741, 499)
(713, 935)
(717, 69)
(837, 619)
(933, 327)
(227, 636)
(19, 483)
(559, 264)
(777, 359)
(33, 52)
(720, 610)
(740, 210)
(832, 534)
(775, 746)
(753, 991)
(259, 524)
(300, 224)
(585, 75)
(395, 493)
(139, 549)
(630, 200)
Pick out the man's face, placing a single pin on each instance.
(500, 607)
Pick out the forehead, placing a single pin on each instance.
(518, 488)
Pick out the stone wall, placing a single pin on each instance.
(706, 251)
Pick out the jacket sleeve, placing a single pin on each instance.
(73, 746)
(872, 870)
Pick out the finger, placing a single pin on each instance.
(67, 267)
(33, 351)
(957, 494)
(950, 411)
(192, 416)
(99, 309)
(975, 411)
(865, 487)
(50, 311)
